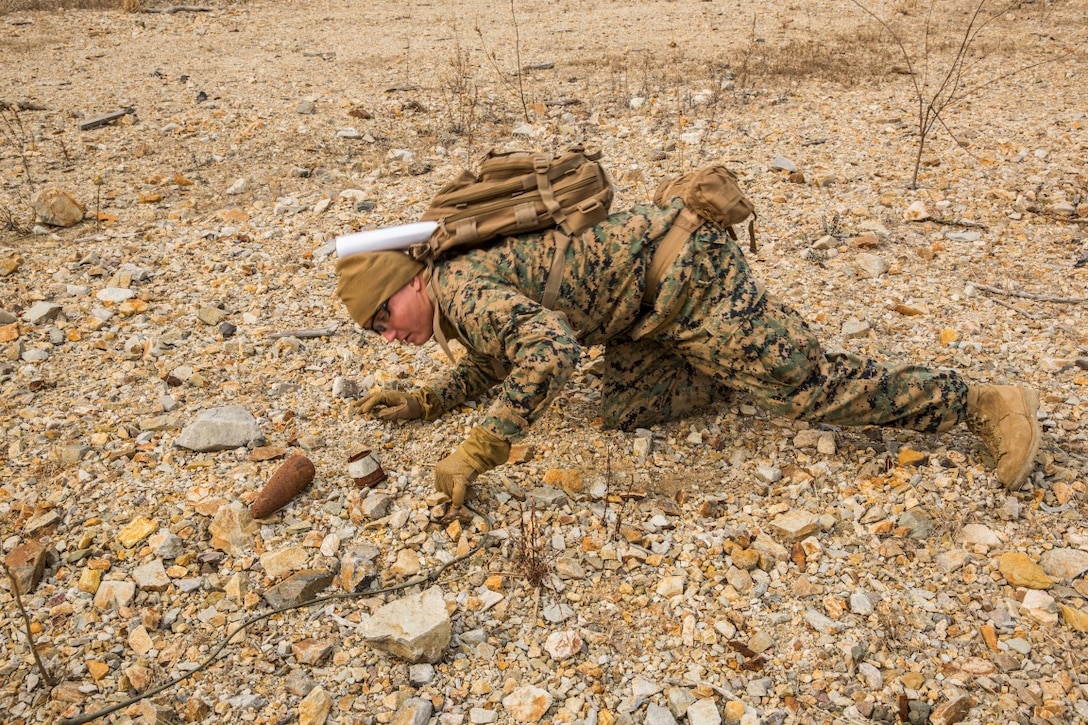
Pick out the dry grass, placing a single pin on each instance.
(532, 556)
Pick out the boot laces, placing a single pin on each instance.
(988, 431)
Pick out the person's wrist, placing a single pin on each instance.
(485, 449)
(429, 404)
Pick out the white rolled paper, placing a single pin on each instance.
(400, 236)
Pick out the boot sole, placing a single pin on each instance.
(1031, 401)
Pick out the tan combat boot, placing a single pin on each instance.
(1003, 416)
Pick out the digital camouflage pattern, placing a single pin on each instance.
(712, 328)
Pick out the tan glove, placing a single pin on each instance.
(480, 452)
(395, 405)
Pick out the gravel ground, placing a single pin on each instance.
(733, 567)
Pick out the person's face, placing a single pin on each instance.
(407, 316)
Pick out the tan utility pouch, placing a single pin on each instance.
(710, 195)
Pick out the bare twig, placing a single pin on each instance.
(178, 9)
(1014, 308)
(517, 56)
(965, 223)
(309, 332)
(22, 105)
(1058, 217)
(1028, 295)
(29, 634)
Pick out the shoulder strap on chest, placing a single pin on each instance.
(436, 324)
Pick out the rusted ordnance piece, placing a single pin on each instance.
(289, 480)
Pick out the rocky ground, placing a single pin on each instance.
(733, 567)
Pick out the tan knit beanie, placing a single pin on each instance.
(369, 279)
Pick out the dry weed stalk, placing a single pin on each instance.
(492, 59)
(46, 677)
(132, 6)
(936, 91)
(14, 134)
(531, 557)
(517, 59)
(462, 95)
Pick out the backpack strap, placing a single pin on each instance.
(551, 290)
(686, 223)
(439, 336)
(541, 165)
(555, 273)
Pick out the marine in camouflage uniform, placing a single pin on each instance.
(707, 329)
(711, 328)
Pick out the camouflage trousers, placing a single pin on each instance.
(729, 334)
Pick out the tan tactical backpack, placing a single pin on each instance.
(516, 193)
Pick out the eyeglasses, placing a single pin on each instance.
(380, 318)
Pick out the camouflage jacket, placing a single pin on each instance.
(489, 301)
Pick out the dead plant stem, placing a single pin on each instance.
(517, 58)
(1029, 295)
(46, 677)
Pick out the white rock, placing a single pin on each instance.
(415, 628)
(769, 474)
(807, 438)
(240, 186)
(314, 708)
(220, 429)
(671, 586)
(979, 534)
(112, 594)
(951, 560)
(658, 715)
(860, 604)
(166, 544)
(1064, 563)
(57, 208)
(41, 312)
(704, 712)
(916, 212)
(330, 545)
(795, 525)
(826, 444)
(414, 711)
(870, 265)
(281, 562)
(783, 164)
(821, 622)
(527, 703)
(563, 645)
(1040, 606)
(151, 576)
(482, 716)
(115, 294)
(853, 327)
(873, 679)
